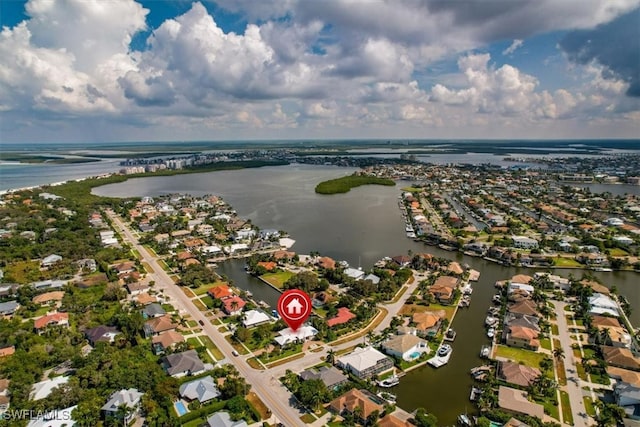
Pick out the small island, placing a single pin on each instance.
(346, 183)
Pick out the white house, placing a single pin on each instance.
(287, 335)
(623, 240)
(407, 346)
(44, 388)
(129, 398)
(56, 418)
(210, 249)
(254, 318)
(614, 222)
(50, 260)
(354, 273)
(524, 242)
(202, 389)
(602, 304)
(365, 362)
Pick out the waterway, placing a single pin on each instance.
(360, 227)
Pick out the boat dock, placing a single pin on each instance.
(474, 275)
(438, 361)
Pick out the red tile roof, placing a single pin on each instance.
(268, 265)
(343, 316)
(229, 306)
(220, 292)
(55, 318)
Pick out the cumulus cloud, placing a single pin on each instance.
(615, 46)
(516, 44)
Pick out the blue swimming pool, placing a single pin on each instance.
(415, 355)
(180, 408)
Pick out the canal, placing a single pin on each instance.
(360, 227)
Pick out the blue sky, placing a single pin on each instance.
(88, 70)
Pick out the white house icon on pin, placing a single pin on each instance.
(294, 307)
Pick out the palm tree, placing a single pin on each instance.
(558, 353)
(331, 356)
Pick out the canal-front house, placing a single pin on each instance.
(427, 323)
(365, 362)
(516, 402)
(359, 403)
(407, 347)
(442, 289)
(522, 337)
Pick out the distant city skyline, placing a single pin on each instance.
(94, 71)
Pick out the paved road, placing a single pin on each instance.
(573, 387)
(268, 388)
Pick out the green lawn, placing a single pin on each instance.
(201, 290)
(567, 417)
(554, 329)
(308, 418)
(207, 300)
(199, 304)
(550, 407)
(277, 279)
(618, 252)
(212, 347)
(588, 405)
(566, 262)
(527, 357)
(238, 347)
(545, 343)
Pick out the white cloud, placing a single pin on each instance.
(516, 44)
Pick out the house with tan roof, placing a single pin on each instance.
(605, 322)
(361, 399)
(515, 373)
(160, 343)
(455, 268)
(524, 307)
(522, 337)
(521, 278)
(428, 323)
(620, 357)
(515, 401)
(624, 375)
(443, 288)
(145, 298)
(391, 420)
(268, 265)
(407, 347)
(326, 263)
(158, 325)
(48, 297)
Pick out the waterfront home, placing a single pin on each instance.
(523, 308)
(624, 375)
(521, 278)
(343, 316)
(253, 318)
(515, 373)
(523, 242)
(233, 305)
(360, 403)
(407, 347)
(391, 420)
(401, 260)
(202, 390)
(128, 398)
(455, 268)
(602, 304)
(223, 419)
(522, 337)
(517, 402)
(354, 273)
(443, 287)
(220, 292)
(181, 364)
(326, 263)
(101, 333)
(168, 340)
(365, 362)
(329, 375)
(628, 397)
(372, 278)
(158, 325)
(287, 335)
(620, 357)
(44, 388)
(54, 319)
(268, 265)
(428, 323)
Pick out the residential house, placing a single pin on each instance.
(233, 305)
(44, 388)
(153, 310)
(8, 289)
(522, 337)
(326, 263)
(516, 401)
(55, 319)
(101, 333)
(515, 373)
(428, 323)
(391, 420)
(443, 288)
(372, 278)
(49, 297)
(356, 401)
(137, 288)
(186, 363)
(525, 307)
(628, 397)
(286, 336)
(163, 342)
(7, 309)
(7, 351)
(344, 315)
(50, 260)
(144, 298)
(401, 260)
(254, 318)
(268, 265)
(365, 362)
(455, 268)
(407, 347)
(202, 389)
(220, 292)
(158, 325)
(57, 418)
(329, 375)
(624, 375)
(354, 273)
(620, 357)
(130, 399)
(603, 304)
(124, 267)
(223, 419)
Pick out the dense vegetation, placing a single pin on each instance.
(344, 184)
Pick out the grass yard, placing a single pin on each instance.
(254, 363)
(545, 343)
(377, 319)
(518, 355)
(308, 418)
(212, 347)
(24, 272)
(588, 405)
(618, 252)
(199, 304)
(550, 407)
(277, 279)
(258, 405)
(193, 342)
(238, 347)
(207, 300)
(566, 262)
(285, 360)
(567, 417)
(562, 375)
(554, 329)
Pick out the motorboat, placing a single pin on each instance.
(444, 350)
(391, 398)
(491, 332)
(490, 321)
(464, 420)
(389, 382)
(485, 351)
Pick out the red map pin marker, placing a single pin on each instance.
(294, 306)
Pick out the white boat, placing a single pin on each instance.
(444, 350)
(464, 420)
(389, 382)
(603, 269)
(490, 321)
(485, 351)
(411, 235)
(491, 332)
(391, 398)
(497, 299)
(475, 393)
